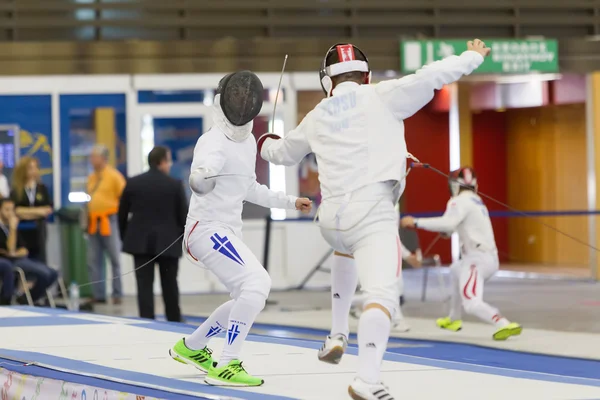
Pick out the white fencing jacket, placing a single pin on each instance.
(466, 214)
(223, 205)
(357, 134)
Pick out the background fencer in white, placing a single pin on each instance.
(357, 135)
(213, 237)
(467, 215)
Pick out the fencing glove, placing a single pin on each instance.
(198, 182)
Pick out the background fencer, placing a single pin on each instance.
(467, 214)
(213, 232)
(357, 135)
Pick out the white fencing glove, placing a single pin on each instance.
(198, 182)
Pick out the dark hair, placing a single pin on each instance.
(157, 155)
(354, 76)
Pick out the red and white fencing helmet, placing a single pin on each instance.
(463, 177)
(349, 59)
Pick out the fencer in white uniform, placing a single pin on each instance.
(222, 178)
(357, 135)
(467, 215)
(399, 323)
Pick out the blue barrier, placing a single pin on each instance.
(499, 214)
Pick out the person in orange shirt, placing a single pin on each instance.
(104, 186)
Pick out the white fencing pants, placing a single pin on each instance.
(221, 251)
(365, 224)
(468, 277)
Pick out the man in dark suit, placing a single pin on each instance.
(152, 215)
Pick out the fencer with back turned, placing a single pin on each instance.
(467, 214)
(357, 135)
(213, 231)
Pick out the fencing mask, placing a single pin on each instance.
(241, 97)
(340, 59)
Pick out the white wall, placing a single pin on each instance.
(296, 247)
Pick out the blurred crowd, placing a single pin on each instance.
(141, 216)
(25, 206)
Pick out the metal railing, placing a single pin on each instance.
(182, 36)
(26, 20)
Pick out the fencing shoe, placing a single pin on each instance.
(200, 359)
(512, 329)
(361, 390)
(448, 324)
(399, 324)
(333, 349)
(232, 374)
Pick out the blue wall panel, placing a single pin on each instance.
(77, 135)
(33, 113)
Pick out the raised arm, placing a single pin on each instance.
(265, 197)
(407, 95)
(291, 149)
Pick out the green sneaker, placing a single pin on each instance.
(201, 359)
(448, 324)
(512, 329)
(233, 374)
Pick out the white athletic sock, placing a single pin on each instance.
(485, 312)
(344, 279)
(373, 335)
(242, 316)
(215, 324)
(455, 301)
(500, 321)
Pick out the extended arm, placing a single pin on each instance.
(265, 197)
(287, 151)
(407, 95)
(454, 215)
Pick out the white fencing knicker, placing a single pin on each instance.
(364, 223)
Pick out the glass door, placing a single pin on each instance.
(177, 128)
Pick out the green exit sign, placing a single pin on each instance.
(507, 56)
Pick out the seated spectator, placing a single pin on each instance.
(13, 249)
(33, 204)
(7, 281)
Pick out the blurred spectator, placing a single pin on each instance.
(158, 207)
(7, 281)
(104, 186)
(12, 248)
(33, 203)
(4, 186)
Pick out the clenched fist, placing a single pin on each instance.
(478, 46)
(304, 205)
(407, 222)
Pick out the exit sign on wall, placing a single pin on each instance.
(507, 56)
